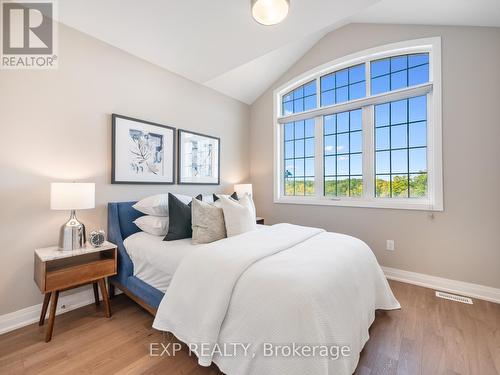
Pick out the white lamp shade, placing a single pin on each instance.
(72, 195)
(241, 189)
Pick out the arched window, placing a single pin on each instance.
(363, 130)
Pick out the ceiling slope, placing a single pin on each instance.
(433, 12)
(217, 43)
(257, 75)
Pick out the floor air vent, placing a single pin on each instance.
(454, 297)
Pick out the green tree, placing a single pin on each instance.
(382, 188)
(330, 186)
(400, 186)
(356, 187)
(418, 185)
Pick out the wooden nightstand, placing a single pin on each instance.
(56, 271)
(260, 220)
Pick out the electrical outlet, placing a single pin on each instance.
(390, 245)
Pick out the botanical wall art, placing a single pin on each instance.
(143, 152)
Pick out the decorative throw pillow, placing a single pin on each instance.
(239, 216)
(157, 205)
(217, 196)
(155, 225)
(208, 222)
(179, 225)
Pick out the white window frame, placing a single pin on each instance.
(434, 199)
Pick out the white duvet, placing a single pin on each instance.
(284, 286)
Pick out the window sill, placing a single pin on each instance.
(398, 204)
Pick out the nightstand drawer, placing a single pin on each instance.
(71, 276)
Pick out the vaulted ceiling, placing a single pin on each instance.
(217, 43)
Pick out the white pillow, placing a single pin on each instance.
(155, 225)
(157, 205)
(217, 203)
(239, 216)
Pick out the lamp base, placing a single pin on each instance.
(72, 234)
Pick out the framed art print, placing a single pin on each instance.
(199, 158)
(143, 152)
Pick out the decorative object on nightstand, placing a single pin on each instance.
(72, 196)
(56, 271)
(97, 238)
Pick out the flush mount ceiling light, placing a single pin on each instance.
(270, 12)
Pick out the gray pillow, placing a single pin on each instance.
(208, 222)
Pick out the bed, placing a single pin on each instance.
(282, 287)
(121, 216)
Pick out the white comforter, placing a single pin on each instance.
(282, 286)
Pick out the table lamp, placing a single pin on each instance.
(241, 189)
(72, 196)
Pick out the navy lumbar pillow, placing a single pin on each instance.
(179, 213)
(234, 196)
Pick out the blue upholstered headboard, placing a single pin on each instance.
(126, 214)
(121, 216)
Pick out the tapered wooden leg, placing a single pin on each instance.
(105, 299)
(111, 290)
(96, 293)
(52, 315)
(45, 305)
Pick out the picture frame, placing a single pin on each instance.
(142, 152)
(202, 167)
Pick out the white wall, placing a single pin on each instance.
(56, 126)
(461, 243)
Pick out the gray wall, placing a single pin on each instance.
(56, 126)
(461, 243)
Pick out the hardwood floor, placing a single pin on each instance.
(427, 336)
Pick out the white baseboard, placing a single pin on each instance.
(29, 315)
(446, 285)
